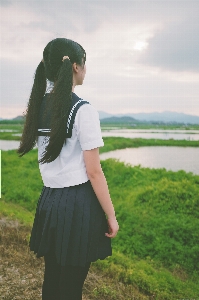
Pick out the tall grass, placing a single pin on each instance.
(158, 212)
(157, 246)
(113, 143)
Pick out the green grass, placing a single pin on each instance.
(9, 122)
(9, 136)
(24, 177)
(151, 126)
(144, 125)
(157, 246)
(16, 212)
(113, 143)
(148, 276)
(112, 140)
(17, 128)
(158, 213)
(151, 277)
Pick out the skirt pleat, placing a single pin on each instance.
(39, 221)
(75, 232)
(84, 238)
(70, 221)
(94, 235)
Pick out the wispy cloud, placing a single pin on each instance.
(141, 55)
(175, 47)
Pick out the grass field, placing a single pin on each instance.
(17, 128)
(156, 250)
(114, 143)
(151, 126)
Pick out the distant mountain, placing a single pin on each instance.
(18, 118)
(103, 115)
(124, 119)
(166, 116)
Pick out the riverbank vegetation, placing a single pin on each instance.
(12, 130)
(156, 250)
(152, 125)
(114, 143)
(111, 143)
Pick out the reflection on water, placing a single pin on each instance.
(8, 145)
(7, 130)
(151, 130)
(192, 135)
(170, 158)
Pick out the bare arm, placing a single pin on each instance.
(100, 187)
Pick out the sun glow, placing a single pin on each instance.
(140, 45)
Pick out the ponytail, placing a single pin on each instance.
(61, 99)
(29, 135)
(59, 55)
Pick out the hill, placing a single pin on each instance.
(156, 250)
(120, 120)
(166, 116)
(18, 118)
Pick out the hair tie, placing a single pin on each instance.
(65, 57)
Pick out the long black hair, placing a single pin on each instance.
(53, 68)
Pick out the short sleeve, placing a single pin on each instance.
(88, 129)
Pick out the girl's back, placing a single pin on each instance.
(75, 218)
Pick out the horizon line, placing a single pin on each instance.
(115, 114)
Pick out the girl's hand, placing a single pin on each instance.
(113, 227)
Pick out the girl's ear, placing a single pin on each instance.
(75, 68)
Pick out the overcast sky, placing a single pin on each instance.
(142, 56)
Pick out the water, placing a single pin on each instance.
(8, 145)
(170, 158)
(7, 130)
(192, 135)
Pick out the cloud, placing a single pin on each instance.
(5, 3)
(16, 84)
(23, 34)
(141, 55)
(175, 46)
(70, 16)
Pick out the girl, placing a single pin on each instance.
(75, 218)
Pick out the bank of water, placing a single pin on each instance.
(192, 135)
(170, 158)
(8, 145)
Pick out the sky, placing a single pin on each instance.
(142, 56)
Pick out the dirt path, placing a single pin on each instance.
(21, 273)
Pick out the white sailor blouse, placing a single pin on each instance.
(83, 133)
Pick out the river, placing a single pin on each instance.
(190, 135)
(170, 158)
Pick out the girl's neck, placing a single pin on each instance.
(73, 87)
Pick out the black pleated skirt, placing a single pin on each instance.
(70, 222)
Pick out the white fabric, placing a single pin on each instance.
(69, 169)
